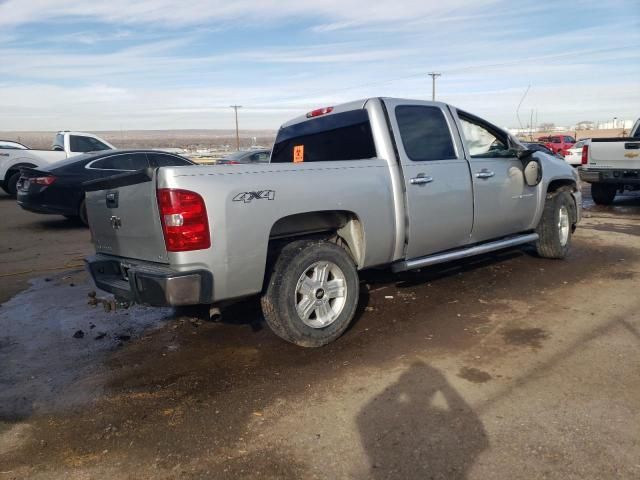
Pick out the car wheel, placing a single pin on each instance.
(556, 226)
(11, 186)
(82, 213)
(312, 293)
(603, 193)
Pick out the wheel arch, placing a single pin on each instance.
(340, 226)
(17, 166)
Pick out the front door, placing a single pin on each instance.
(504, 204)
(437, 179)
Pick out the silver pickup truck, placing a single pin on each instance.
(377, 182)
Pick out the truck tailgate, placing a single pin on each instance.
(124, 218)
(623, 153)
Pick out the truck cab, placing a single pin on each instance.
(65, 144)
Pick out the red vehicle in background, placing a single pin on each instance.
(558, 143)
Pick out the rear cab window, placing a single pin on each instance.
(334, 137)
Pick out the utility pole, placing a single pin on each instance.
(235, 108)
(433, 76)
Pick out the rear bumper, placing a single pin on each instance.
(150, 284)
(40, 205)
(610, 175)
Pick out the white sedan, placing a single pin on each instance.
(574, 154)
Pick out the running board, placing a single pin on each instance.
(464, 252)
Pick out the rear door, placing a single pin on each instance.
(438, 183)
(504, 204)
(123, 211)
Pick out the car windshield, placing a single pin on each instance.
(11, 145)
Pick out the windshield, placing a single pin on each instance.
(11, 145)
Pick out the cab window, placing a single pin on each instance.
(81, 144)
(425, 133)
(483, 140)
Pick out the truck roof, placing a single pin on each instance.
(345, 107)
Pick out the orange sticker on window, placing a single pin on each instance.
(298, 154)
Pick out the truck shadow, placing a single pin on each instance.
(420, 427)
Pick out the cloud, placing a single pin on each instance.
(176, 12)
(162, 64)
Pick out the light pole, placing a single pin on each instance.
(235, 108)
(433, 76)
(613, 125)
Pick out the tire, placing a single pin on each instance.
(556, 225)
(603, 193)
(82, 213)
(11, 185)
(327, 314)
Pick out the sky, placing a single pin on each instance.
(167, 64)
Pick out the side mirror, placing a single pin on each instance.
(532, 172)
(525, 154)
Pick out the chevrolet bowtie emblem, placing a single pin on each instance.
(116, 223)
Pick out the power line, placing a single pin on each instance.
(433, 76)
(235, 109)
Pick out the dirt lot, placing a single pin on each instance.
(506, 367)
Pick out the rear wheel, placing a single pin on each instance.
(556, 225)
(603, 193)
(312, 294)
(82, 213)
(11, 185)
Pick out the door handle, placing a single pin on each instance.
(421, 180)
(632, 146)
(484, 174)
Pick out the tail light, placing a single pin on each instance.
(585, 154)
(42, 180)
(184, 220)
(319, 112)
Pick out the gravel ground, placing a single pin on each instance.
(507, 366)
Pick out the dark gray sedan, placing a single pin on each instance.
(246, 156)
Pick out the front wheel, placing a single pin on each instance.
(312, 294)
(556, 225)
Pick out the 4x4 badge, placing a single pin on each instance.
(247, 197)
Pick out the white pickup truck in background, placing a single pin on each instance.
(65, 144)
(612, 165)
